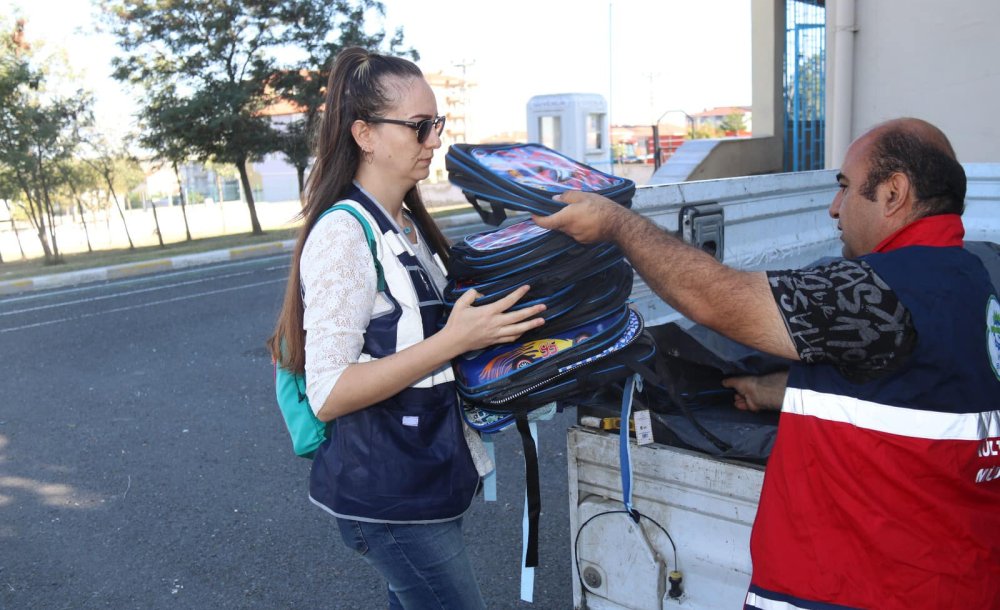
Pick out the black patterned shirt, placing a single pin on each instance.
(843, 314)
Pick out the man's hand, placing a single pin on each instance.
(590, 217)
(763, 393)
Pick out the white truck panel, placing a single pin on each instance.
(705, 504)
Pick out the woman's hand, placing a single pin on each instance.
(472, 327)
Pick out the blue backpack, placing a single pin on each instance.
(306, 430)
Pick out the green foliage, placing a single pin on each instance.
(705, 131)
(322, 30)
(209, 71)
(39, 132)
(734, 122)
(807, 99)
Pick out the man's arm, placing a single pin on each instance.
(735, 303)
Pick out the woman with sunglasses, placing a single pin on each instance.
(400, 468)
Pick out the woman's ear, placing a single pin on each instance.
(362, 133)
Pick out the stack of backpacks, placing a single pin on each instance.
(590, 339)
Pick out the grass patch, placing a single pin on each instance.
(19, 269)
(33, 267)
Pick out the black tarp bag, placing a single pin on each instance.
(524, 177)
(688, 405)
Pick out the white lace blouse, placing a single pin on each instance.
(339, 283)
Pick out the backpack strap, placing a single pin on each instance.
(369, 236)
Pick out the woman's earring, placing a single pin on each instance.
(369, 156)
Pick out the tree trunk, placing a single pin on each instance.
(83, 220)
(131, 246)
(180, 187)
(79, 206)
(111, 187)
(50, 214)
(300, 171)
(37, 217)
(35, 214)
(56, 258)
(248, 195)
(13, 227)
(156, 221)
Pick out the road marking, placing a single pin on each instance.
(128, 293)
(143, 279)
(140, 306)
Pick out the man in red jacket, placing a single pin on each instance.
(883, 487)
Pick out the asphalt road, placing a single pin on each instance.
(144, 464)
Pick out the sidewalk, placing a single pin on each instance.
(115, 272)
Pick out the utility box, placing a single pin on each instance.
(575, 124)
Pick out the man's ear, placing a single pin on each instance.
(897, 195)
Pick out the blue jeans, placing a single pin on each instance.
(425, 565)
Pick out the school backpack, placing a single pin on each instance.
(524, 177)
(591, 337)
(306, 430)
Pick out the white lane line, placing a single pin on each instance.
(128, 293)
(34, 296)
(139, 306)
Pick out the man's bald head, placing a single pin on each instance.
(923, 153)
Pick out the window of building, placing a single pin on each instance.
(549, 132)
(595, 132)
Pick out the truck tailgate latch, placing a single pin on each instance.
(703, 226)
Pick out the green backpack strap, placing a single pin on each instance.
(369, 235)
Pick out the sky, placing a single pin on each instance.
(647, 58)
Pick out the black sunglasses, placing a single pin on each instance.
(423, 128)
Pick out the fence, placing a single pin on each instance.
(106, 231)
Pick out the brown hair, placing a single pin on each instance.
(359, 88)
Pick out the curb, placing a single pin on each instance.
(126, 270)
(115, 272)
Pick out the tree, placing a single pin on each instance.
(79, 178)
(705, 131)
(39, 130)
(804, 88)
(164, 133)
(733, 123)
(119, 171)
(295, 145)
(211, 59)
(216, 62)
(322, 29)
